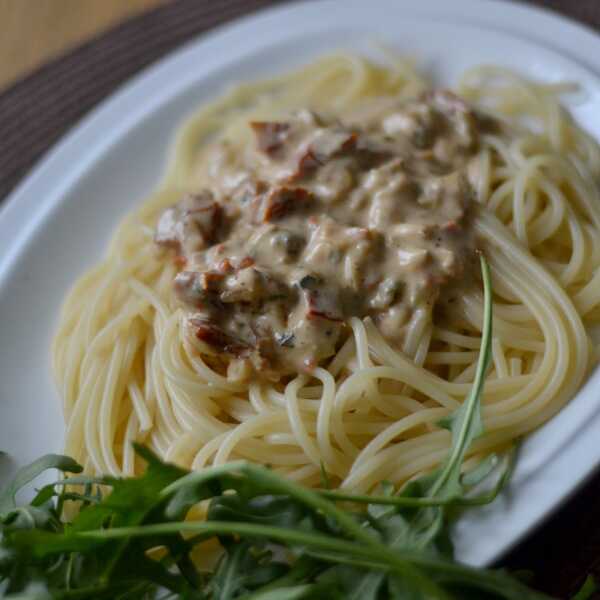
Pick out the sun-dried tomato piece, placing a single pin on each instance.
(195, 221)
(319, 303)
(246, 262)
(283, 200)
(270, 135)
(214, 336)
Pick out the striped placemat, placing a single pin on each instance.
(36, 111)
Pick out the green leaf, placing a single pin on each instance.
(27, 474)
(481, 472)
(353, 583)
(195, 487)
(266, 510)
(325, 482)
(366, 588)
(44, 495)
(397, 590)
(34, 591)
(309, 591)
(131, 502)
(242, 569)
(42, 544)
(131, 499)
(588, 588)
(29, 517)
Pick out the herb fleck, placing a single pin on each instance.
(285, 339)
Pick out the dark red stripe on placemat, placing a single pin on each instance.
(37, 110)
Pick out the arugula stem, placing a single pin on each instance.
(461, 440)
(496, 582)
(388, 557)
(310, 498)
(406, 501)
(197, 478)
(410, 502)
(275, 483)
(313, 499)
(383, 559)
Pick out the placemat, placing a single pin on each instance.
(37, 110)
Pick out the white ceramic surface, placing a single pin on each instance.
(58, 221)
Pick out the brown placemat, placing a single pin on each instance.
(37, 110)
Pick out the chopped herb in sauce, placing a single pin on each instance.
(308, 282)
(285, 339)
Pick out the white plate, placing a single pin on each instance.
(58, 221)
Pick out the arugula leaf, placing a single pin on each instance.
(34, 591)
(589, 587)
(25, 475)
(481, 472)
(397, 590)
(243, 569)
(244, 536)
(280, 540)
(325, 483)
(299, 592)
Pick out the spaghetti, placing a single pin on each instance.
(127, 371)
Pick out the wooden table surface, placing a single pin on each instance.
(34, 31)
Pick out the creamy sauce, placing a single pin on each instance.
(320, 220)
